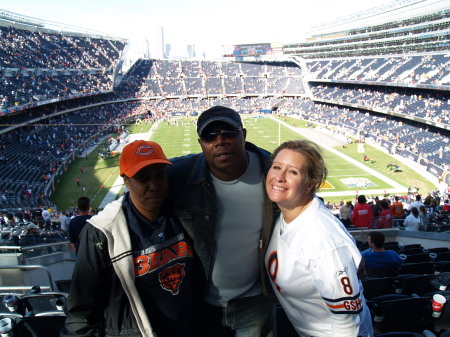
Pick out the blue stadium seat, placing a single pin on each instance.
(409, 314)
(378, 286)
(282, 327)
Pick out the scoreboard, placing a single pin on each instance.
(240, 50)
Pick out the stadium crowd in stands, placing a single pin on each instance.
(40, 65)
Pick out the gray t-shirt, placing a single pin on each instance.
(235, 261)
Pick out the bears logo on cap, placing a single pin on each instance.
(144, 150)
(139, 154)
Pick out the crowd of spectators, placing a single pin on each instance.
(167, 78)
(429, 106)
(40, 66)
(380, 212)
(413, 34)
(27, 227)
(432, 146)
(31, 155)
(426, 70)
(30, 226)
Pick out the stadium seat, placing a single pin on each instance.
(443, 256)
(408, 314)
(421, 284)
(374, 287)
(389, 297)
(400, 334)
(442, 266)
(63, 285)
(4, 310)
(392, 245)
(383, 272)
(282, 327)
(46, 302)
(410, 251)
(418, 268)
(41, 326)
(437, 250)
(412, 245)
(421, 257)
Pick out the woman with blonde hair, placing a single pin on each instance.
(312, 260)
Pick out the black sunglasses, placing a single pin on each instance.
(229, 134)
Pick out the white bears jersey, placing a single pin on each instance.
(312, 263)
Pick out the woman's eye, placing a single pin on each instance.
(141, 179)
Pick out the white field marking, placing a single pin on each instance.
(350, 175)
(115, 189)
(396, 187)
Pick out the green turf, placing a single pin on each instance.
(98, 177)
(181, 139)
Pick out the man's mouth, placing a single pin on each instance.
(222, 155)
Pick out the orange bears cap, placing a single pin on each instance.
(140, 154)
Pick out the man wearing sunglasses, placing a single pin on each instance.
(220, 199)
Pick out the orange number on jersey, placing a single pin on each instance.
(345, 281)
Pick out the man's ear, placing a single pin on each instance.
(126, 181)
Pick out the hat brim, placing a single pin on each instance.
(218, 119)
(136, 168)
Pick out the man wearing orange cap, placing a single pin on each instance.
(133, 273)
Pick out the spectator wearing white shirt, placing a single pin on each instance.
(413, 221)
(416, 203)
(47, 218)
(64, 221)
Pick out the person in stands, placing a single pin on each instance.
(384, 217)
(413, 221)
(362, 215)
(378, 261)
(397, 209)
(77, 223)
(345, 212)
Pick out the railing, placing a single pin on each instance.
(27, 288)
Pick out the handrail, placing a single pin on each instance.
(25, 248)
(26, 267)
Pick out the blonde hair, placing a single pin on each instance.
(315, 170)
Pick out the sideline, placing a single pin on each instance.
(116, 187)
(396, 187)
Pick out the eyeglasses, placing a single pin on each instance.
(229, 134)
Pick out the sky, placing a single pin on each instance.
(207, 24)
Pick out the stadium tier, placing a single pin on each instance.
(399, 101)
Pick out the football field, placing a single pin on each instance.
(348, 173)
(346, 177)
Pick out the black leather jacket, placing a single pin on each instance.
(194, 199)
